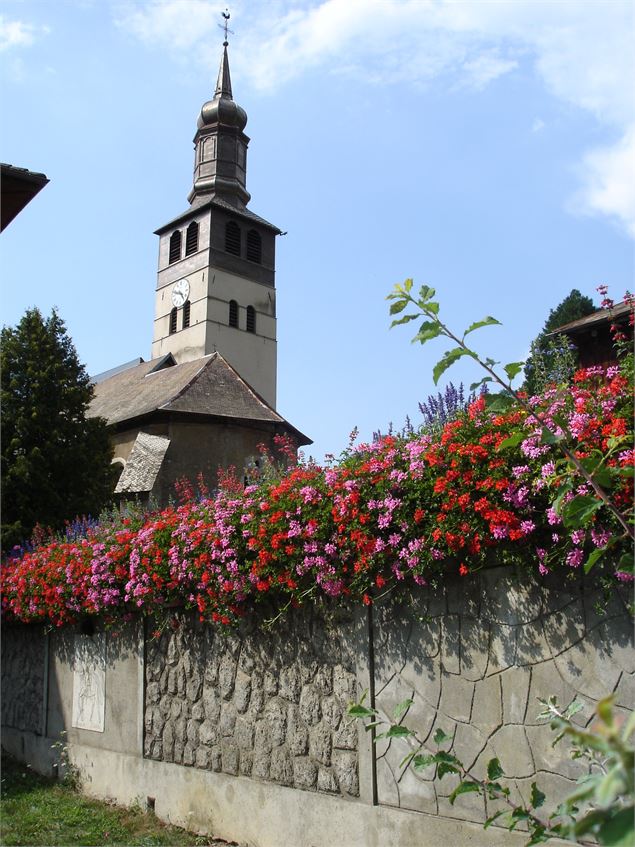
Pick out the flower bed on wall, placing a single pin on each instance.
(393, 514)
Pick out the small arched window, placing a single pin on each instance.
(254, 246)
(186, 314)
(191, 239)
(251, 319)
(175, 246)
(173, 321)
(233, 313)
(232, 238)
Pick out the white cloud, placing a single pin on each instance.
(17, 34)
(581, 51)
(608, 176)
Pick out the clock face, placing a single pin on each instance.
(180, 292)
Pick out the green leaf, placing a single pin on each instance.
(610, 788)
(356, 710)
(497, 403)
(577, 512)
(431, 308)
(594, 555)
(427, 331)
(397, 731)
(537, 798)
(513, 369)
(423, 761)
(494, 769)
(548, 437)
(491, 819)
(398, 306)
(618, 831)
(404, 319)
(406, 759)
(444, 768)
(513, 440)
(625, 564)
(440, 737)
(463, 788)
(488, 321)
(426, 293)
(478, 384)
(449, 358)
(401, 708)
(605, 710)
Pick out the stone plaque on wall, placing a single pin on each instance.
(89, 682)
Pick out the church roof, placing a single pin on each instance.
(219, 203)
(208, 386)
(144, 463)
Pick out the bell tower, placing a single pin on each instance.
(216, 275)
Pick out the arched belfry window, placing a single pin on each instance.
(191, 239)
(251, 319)
(232, 238)
(175, 246)
(254, 246)
(173, 321)
(233, 313)
(186, 314)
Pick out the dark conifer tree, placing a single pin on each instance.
(553, 359)
(55, 459)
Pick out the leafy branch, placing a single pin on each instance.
(607, 789)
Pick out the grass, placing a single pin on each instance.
(39, 811)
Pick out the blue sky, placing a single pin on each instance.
(486, 149)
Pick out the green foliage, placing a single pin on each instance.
(40, 811)
(55, 459)
(602, 805)
(552, 359)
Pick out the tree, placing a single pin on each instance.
(55, 459)
(553, 359)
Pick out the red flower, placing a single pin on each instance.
(463, 569)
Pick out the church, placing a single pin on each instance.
(207, 397)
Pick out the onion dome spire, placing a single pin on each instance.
(221, 145)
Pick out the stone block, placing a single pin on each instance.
(181, 681)
(468, 742)
(304, 773)
(275, 718)
(229, 756)
(323, 679)
(546, 682)
(262, 737)
(564, 628)
(320, 744)
(502, 647)
(192, 732)
(326, 781)
(176, 708)
(474, 648)
(281, 767)
(344, 685)
(509, 597)
(346, 737)
(587, 669)
(215, 759)
(246, 762)
(260, 763)
(202, 759)
(553, 759)
(208, 733)
(227, 675)
(227, 720)
(310, 707)
(625, 691)
(451, 645)
(211, 704)
(331, 711)
(308, 667)
(270, 684)
(179, 747)
(244, 733)
(513, 751)
(456, 697)
(172, 681)
(297, 733)
(198, 711)
(290, 684)
(153, 693)
(168, 743)
(515, 689)
(194, 686)
(345, 770)
(487, 706)
(531, 644)
(165, 705)
(188, 755)
(180, 726)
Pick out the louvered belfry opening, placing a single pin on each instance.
(175, 246)
(233, 313)
(254, 246)
(186, 314)
(173, 314)
(232, 238)
(191, 239)
(251, 319)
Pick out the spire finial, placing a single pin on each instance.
(225, 26)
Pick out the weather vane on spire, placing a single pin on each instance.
(225, 26)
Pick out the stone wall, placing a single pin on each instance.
(24, 657)
(246, 732)
(475, 658)
(266, 705)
